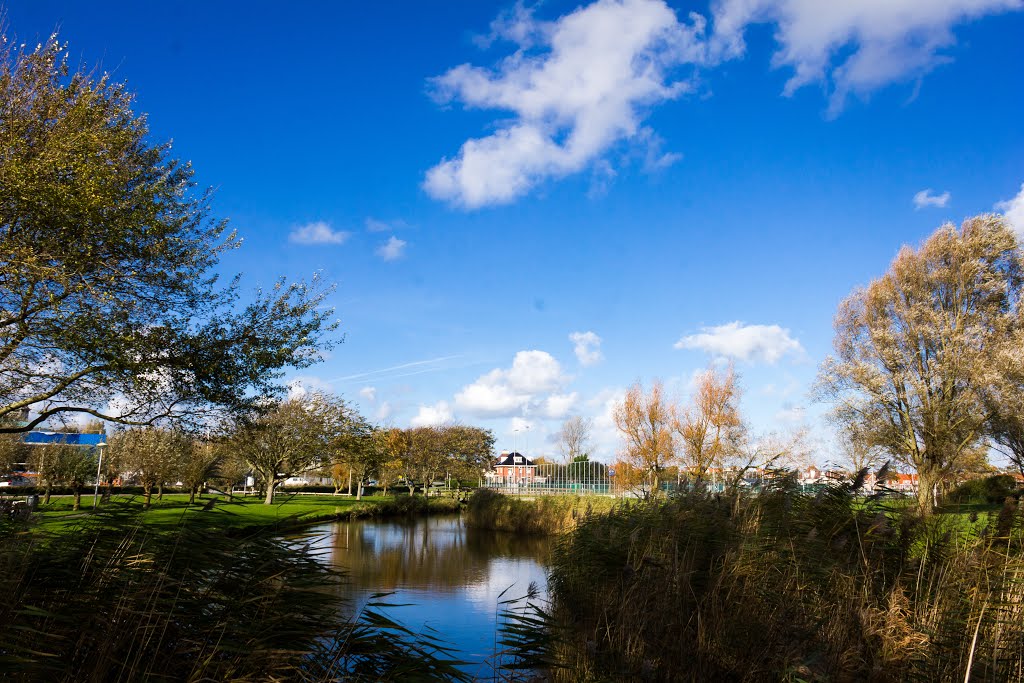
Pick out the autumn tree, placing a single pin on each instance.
(914, 348)
(573, 438)
(470, 450)
(1005, 396)
(645, 422)
(709, 428)
(110, 303)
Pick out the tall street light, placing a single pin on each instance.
(99, 463)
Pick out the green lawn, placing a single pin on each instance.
(236, 513)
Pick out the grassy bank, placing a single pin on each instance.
(244, 514)
(789, 586)
(541, 515)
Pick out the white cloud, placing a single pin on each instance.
(369, 393)
(587, 347)
(557, 406)
(303, 385)
(768, 343)
(575, 86)
(791, 414)
(392, 249)
(318, 233)
(376, 225)
(927, 198)
(507, 392)
(384, 411)
(429, 416)
(1013, 209)
(853, 46)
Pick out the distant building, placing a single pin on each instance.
(513, 468)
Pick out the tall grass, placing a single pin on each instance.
(541, 515)
(116, 600)
(789, 586)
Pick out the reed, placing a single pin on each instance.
(116, 600)
(789, 586)
(541, 515)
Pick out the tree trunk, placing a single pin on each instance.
(78, 499)
(926, 483)
(359, 489)
(46, 496)
(350, 481)
(149, 496)
(191, 495)
(160, 491)
(269, 500)
(385, 488)
(105, 497)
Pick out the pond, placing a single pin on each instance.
(447, 576)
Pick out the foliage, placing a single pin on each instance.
(200, 462)
(915, 349)
(149, 455)
(710, 429)
(294, 436)
(993, 489)
(789, 586)
(109, 301)
(645, 422)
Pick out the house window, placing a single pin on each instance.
(519, 460)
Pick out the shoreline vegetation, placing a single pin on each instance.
(784, 585)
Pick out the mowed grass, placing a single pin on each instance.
(219, 511)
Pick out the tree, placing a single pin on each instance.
(645, 422)
(710, 428)
(1005, 397)
(109, 300)
(914, 348)
(295, 436)
(200, 462)
(470, 450)
(574, 437)
(150, 455)
(61, 464)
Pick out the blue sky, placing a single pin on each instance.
(528, 207)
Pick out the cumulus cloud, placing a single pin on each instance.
(853, 47)
(767, 343)
(587, 347)
(392, 249)
(1013, 210)
(429, 416)
(575, 87)
(317, 233)
(369, 393)
(558, 406)
(926, 198)
(505, 392)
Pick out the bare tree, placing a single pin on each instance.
(914, 349)
(574, 437)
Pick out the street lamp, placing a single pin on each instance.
(99, 463)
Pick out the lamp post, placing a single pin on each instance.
(99, 463)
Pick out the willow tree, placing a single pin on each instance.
(915, 348)
(110, 303)
(293, 437)
(645, 422)
(709, 428)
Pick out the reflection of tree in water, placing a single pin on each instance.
(433, 553)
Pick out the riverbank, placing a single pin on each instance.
(486, 509)
(242, 514)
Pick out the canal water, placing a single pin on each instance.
(447, 576)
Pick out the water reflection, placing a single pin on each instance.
(450, 575)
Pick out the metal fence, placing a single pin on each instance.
(578, 478)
